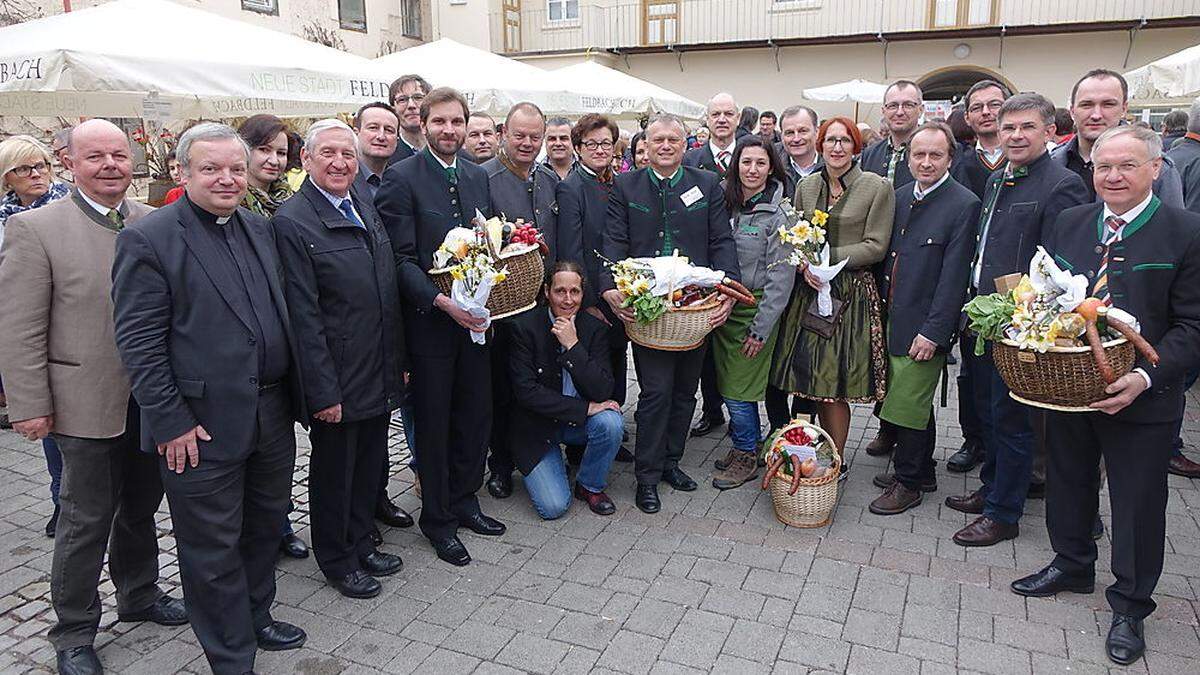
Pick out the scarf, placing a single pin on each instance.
(266, 202)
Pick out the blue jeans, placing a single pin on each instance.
(406, 418)
(547, 483)
(54, 465)
(1007, 440)
(743, 424)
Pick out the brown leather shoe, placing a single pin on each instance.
(895, 500)
(1182, 466)
(984, 531)
(882, 444)
(969, 503)
(885, 480)
(599, 502)
(724, 462)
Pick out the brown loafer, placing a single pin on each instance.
(882, 444)
(984, 531)
(897, 499)
(1182, 466)
(969, 503)
(598, 502)
(886, 480)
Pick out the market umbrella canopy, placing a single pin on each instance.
(160, 60)
(855, 91)
(620, 94)
(1173, 76)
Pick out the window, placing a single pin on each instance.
(261, 6)
(563, 10)
(410, 18)
(961, 13)
(353, 14)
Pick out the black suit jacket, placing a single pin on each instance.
(877, 157)
(969, 170)
(401, 153)
(925, 278)
(1154, 274)
(647, 219)
(344, 303)
(418, 206)
(702, 158)
(1027, 205)
(535, 365)
(184, 335)
(582, 213)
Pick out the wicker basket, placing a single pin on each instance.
(815, 498)
(1064, 378)
(679, 329)
(519, 290)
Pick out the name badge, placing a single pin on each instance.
(691, 196)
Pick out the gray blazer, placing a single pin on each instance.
(758, 248)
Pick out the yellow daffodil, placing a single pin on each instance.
(819, 217)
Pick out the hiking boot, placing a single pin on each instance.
(742, 468)
(724, 462)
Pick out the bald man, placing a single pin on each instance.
(64, 378)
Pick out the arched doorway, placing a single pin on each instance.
(952, 83)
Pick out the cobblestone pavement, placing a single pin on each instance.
(712, 583)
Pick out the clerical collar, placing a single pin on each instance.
(100, 208)
(206, 216)
(919, 194)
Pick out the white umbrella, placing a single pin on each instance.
(160, 60)
(620, 94)
(858, 91)
(1173, 76)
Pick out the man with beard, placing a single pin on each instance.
(559, 155)
(420, 201)
(406, 95)
(520, 189)
(902, 104)
(481, 144)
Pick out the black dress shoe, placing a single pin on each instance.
(358, 584)
(500, 485)
(166, 611)
(79, 661)
(451, 550)
(624, 455)
(380, 564)
(706, 425)
(279, 636)
(1126, 639)
(375, 536)
(52, 524)
(676, 478)
(968, 457)
(646, 498)
(1051, 581)
(293, 547)
(481, 524)
(389, 514)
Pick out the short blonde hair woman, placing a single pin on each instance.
(26, 177)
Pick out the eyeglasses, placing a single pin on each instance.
(596, 145)
(834, 141)
(24, 170)
(990, 105)
(1124, 168)
(908, 106)
(402, 100)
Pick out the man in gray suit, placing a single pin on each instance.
(64, 378)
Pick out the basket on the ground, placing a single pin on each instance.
(519, 290)
(1065, 379)
(679, 329)
(815, 498)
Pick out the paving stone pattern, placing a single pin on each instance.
(712, 583)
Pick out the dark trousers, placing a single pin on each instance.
(54, 465)
(500, 460)
(618, 344)
(968, 415)
(913, 456)
(226, 514)
(1007, 440)
(110, 493)
(343, 484)
(1137, 491)
(778, 411)
(711, 400)
(452, 398)
(664, 409)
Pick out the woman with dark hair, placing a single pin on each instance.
(963, 133)
(638, 159)
(742, 347)
(746, 122)
(839, 359)
(268, 140)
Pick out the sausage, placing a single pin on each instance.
(1139, 343)
(737, 285)
(737, 295)
(1102, 364)
(772, 469)
(795, 475)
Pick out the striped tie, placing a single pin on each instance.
(723, 161)
(1111, 236)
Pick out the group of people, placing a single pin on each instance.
(171, 351)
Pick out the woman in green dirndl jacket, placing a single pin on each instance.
(846, 362)
(742, 347)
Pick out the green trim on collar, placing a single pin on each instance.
(1132, 227)
(671, 182)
